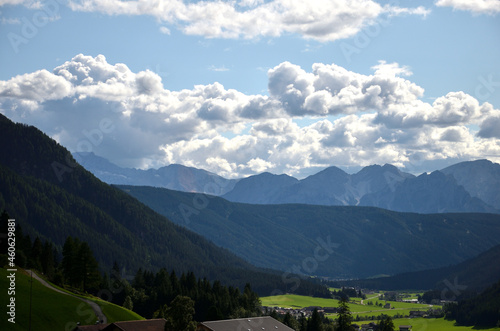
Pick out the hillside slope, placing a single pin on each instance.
(49, 310)
(53, 197)
(360, 241)
(474, 274)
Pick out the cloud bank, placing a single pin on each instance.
(489, 7)
(248, 19)
(88, 104)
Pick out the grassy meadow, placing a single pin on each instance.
(51, 310)
(113, 312)
(364, 311)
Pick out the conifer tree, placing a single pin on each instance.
(344, 316)
(180, 314)
(48, 260)
(68, 261)
(314, 323)
(386, 324)
(128, 303)
(87, 268)
(36, 254)
(290, 321)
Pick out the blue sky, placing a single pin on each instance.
(229, 86)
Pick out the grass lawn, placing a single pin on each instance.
(50, 310)
(419, 324)
(434, 324)
(114, 313)
(297, 301)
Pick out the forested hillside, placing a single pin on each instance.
(480, 311)
(360, 241)
(474, 274)
(53, 197)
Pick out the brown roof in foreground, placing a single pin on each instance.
(265, 323)
(97, 327)
(144, 325)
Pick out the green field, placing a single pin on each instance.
(51, 310)
(419, 324)
(434, 324)
(297, 301)
(114, 313)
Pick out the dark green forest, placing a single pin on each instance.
(361, 242)
(147, 293)
(475, 274)
(481, 311)
(53, 198)
(95, 238)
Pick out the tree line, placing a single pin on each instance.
(319, 322)
(482, 310)
(151, 294)
(147, 293)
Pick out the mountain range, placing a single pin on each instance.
(464, 187)
(330, 241)
(174, 176)
(52, 197)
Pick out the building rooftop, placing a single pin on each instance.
(144, 325)
(265, 323)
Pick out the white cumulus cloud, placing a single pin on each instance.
(315, 19)
(353, 119)
(489, 7)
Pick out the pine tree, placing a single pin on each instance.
(47, 260)
(68, 261)
(88, 268)
(4, 229)
(302, 324)
(386, 324)
(344, 316)
(314, 323)
(290, 321)
(128, 303)
(36, 255)
(180, 314)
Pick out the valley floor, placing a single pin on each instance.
(365, 311)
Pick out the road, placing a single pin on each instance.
(97, 310)
(370, 298)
